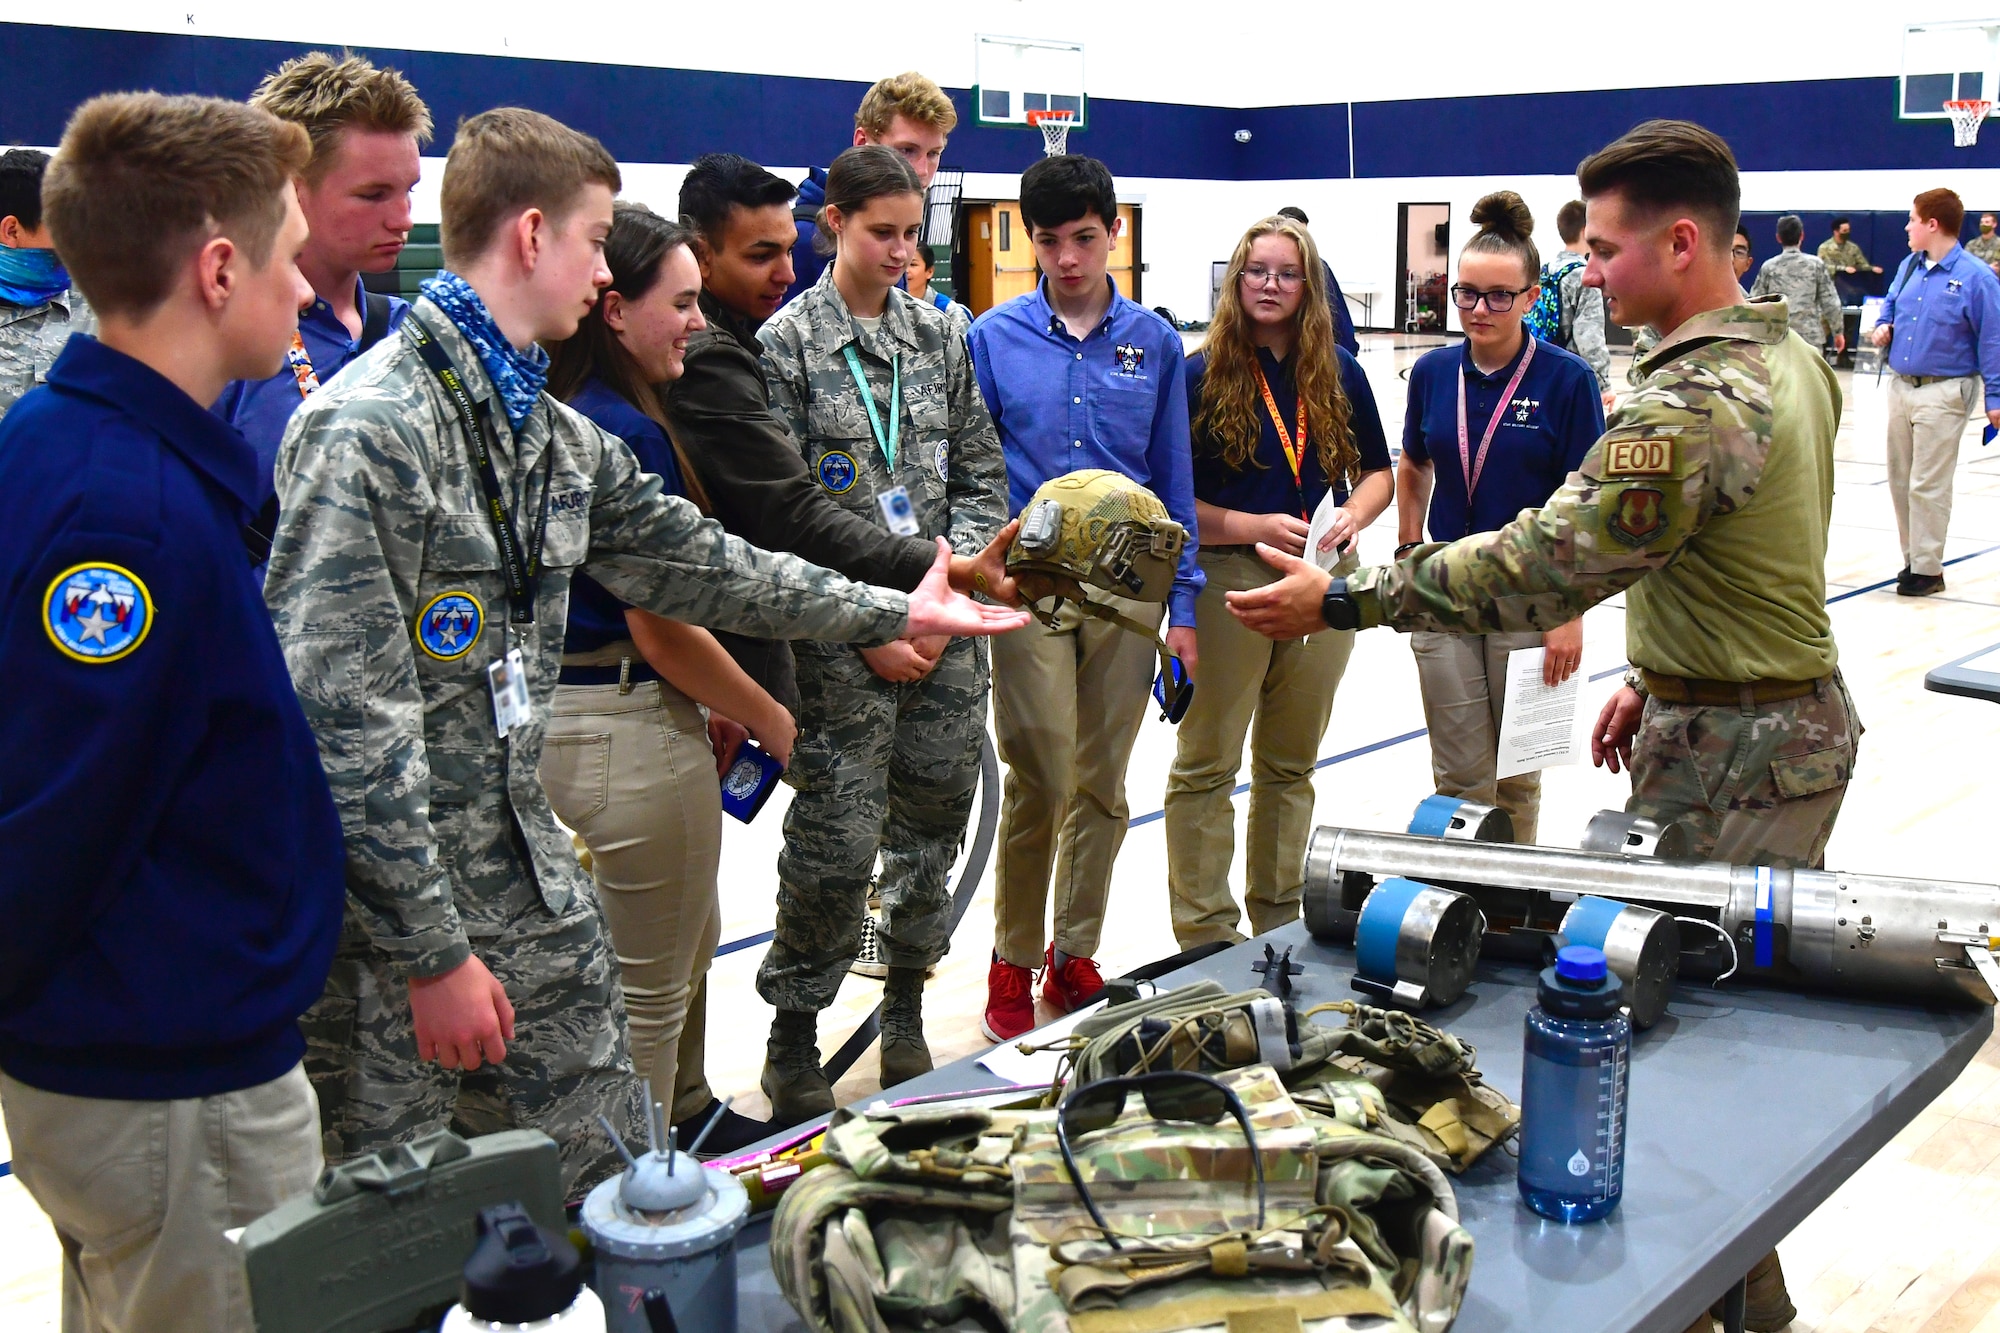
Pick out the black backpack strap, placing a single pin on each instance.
(374, 319)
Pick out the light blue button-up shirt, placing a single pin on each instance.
(1113, 399)
(1947, 319)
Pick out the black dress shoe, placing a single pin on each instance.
(735, 1133)
(1920, 585)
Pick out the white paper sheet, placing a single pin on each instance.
(1537, 724)
(1009, 1063)
(1321, 524)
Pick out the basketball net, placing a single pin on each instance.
(1055, 126)
(1965, 119)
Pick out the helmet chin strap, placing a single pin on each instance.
(1090, 606)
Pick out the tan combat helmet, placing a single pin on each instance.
(1102, 529)
(1095, 528)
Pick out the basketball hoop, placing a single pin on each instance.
(1055, 127)
(1965, 118)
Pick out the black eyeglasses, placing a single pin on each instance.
(1288, 279)
(1499, 300)
(1743, 250)
(1174, 1094)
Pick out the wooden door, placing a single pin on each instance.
(1000, 261)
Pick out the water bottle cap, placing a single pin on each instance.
(1580, 962)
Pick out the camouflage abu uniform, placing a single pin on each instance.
(32, 337)
(386, 585)
(1807, 287)
(1707, 500)
(879, 765)
(1984, 246)
(1583, 315)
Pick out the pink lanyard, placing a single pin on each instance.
(1474, 466)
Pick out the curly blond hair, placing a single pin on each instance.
(909, 95)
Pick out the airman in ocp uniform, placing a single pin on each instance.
(1707, 502)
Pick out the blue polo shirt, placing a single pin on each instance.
(595, 616)
(1947, 319)
(261, 409)
(1267, 486)
(1555, 417)
(1113, 399)
(174, 884)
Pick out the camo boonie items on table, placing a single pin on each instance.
(960, 1216)
(32, 337)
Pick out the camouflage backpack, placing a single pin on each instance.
(1545, 318)
(1385, 1071)
(965, 1217)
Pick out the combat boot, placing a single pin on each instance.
(1767, 1306)
(793, 1080)
(904, 1053)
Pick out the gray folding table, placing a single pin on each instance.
(1976, 675)
(1748, 1108)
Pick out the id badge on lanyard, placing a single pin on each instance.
(899, 512)
(1475, 465)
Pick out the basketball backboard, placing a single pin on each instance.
(1012, 76)
(1947, 61)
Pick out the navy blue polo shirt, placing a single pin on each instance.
(595, 616)
(1555, 417)
(261, 409)
(1266, 486)
(174, 883)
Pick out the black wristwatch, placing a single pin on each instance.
(1337, 609)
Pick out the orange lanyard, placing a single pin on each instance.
(1294, 453)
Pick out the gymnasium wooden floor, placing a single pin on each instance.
(1911, 1244)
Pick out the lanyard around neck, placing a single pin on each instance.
(1474, 466)
(890, 441)
(301, 363)
(523, 573)
(1295, 453)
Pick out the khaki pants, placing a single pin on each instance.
(141, 1192)
(1287, 688)
(1067, 704)
(634, 776)
(1926, 423)
(1464, 682)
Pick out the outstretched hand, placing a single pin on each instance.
(1288, 608)
(936, 609)
(987, 572)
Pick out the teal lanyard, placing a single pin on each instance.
(893, 439)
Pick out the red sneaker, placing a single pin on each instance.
(1075, 985)
(1010, 1001)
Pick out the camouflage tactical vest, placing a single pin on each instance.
(966, 1217)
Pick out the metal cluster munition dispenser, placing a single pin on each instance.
(1455, 887)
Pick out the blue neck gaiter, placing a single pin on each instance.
(31, 277)
(519, 376)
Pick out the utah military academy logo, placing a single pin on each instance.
(449, 626)
(837, 472)
(1640, 516)
(944, 461)
(1131, 360)
(97, 612)
(743, 778)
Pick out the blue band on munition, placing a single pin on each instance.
(1589, 920)
(1763, 937)
(1381, 922)
(1433, 816)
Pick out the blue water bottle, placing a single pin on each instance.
(1573, 1084)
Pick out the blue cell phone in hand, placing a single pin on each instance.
(1174, 694)
(749, 782)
